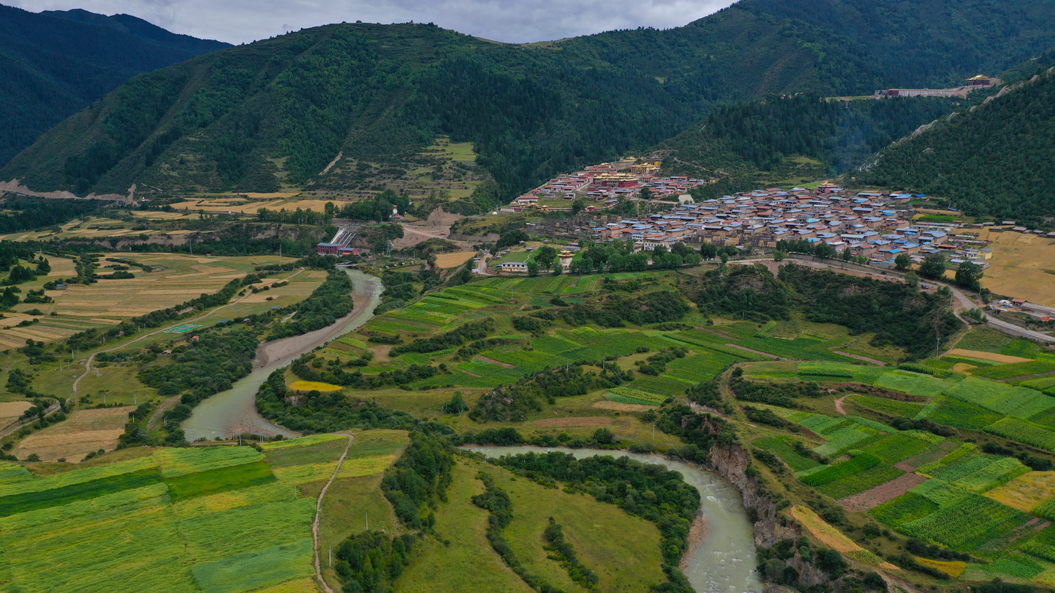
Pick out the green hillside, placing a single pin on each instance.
(753, 143)
(992, 160)
(56, 63)
(272, 115)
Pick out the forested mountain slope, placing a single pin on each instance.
(740, 144)
(992, 160)
(54, 64)
(275, 113)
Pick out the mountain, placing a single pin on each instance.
(992, 160)
(321, 108)
(779, 139)
(56, 63)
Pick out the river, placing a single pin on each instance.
(234, 411)
(724, 561)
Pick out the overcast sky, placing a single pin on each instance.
(519, 21)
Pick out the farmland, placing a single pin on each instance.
(207, 518)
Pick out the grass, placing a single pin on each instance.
(598, 531)
(469, 563)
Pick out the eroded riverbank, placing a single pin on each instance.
(234, 411)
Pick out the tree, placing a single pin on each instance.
(545, 256)
(646, 194)
(824, 251)
(933, 266)
(578, 206)
(457, 404)
(709, 251)
(968, 276)
(912, 279)
(558, 269)
(511, 237)
(725, 258)
(902, 262)
(778, 256)
(532, 267)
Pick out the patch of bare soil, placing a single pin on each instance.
(882, 493)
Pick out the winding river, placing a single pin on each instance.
(234, 411)
(724, 561)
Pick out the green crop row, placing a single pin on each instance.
(904, 509)
(255, 570)
(1006, 371)
(783, 448)
(963, 450)
(1015, 565)
(845, 438)
(940, 492)
(190, 460)
(39, 484)
(860, 481)
(638, 394)
(1042, 545)
(962, 415)
(924, 385)
(847, 468)
(896, 447)
(998, 472)
(31, 501)
(967, 524)
(1046, 509)
(220, 480)
(1024, 432)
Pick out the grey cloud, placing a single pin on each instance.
(240, 21)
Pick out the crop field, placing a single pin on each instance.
(841, 470)
(1020, 402)
(953, 568)
(1042, 545)
(968, 524)
(912, 383)
(833, 538)
(1018, 265)
(628, 395)
(783, 447)
(860, 481)
(883, 405)
(1026, 492)
(1026, 432)
(313, 386)
(1007, 371)
(896, 447)
(904, 509)
(962, 415)
(846, 438)
(83, 432)
(160, 523)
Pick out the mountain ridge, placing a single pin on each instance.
(274, 113)
(52, 66)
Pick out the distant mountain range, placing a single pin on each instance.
(274, 114)
(55, 63)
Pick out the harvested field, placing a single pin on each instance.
(1001, 358)
(572, 422)
(11, 411)
(869, 499)
(453, 260)
(953, 568)
(85, 431)
(1025, 492)
(1018, 267)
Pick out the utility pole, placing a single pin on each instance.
(368, 521)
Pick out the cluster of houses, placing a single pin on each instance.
(874, 225)
(607, 183)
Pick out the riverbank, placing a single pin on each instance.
(234, 411)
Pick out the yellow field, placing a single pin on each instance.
(453, 260)
(313, 386)
(951, 568)
(250, 203)
(1020, 267)
(835, 539)
(85, 431)
(11, 411)
(1001, 358)
(175, 280)
(1026, 491)
(365, 466)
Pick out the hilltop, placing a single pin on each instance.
(350, 107)
(55, 63)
